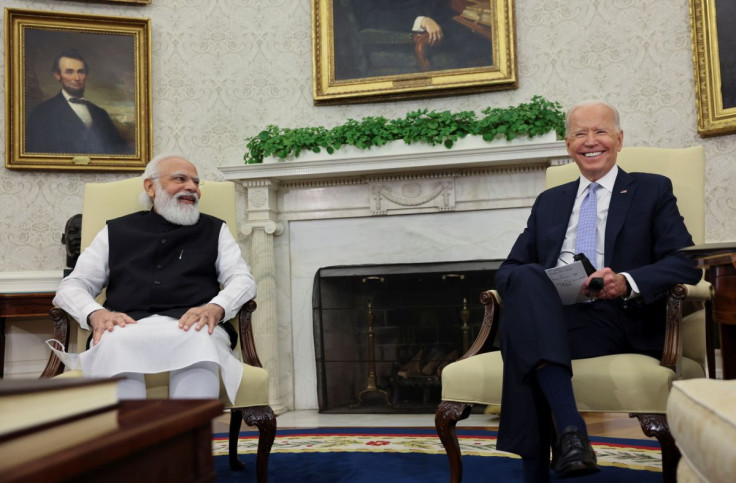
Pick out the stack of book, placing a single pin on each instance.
(478, 12)
(39, 417)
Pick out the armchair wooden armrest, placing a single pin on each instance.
(247, 343)
(676, 297)
(489, 327)
(421, 43)
(62, 323)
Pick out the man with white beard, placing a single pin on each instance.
(170, 272)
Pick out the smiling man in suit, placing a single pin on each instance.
(635, 230)
(69, 123)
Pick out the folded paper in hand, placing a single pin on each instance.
(568, 280)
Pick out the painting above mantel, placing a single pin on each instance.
(381, 51)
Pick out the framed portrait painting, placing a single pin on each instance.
(129, 2)
(382, 50)
(714, 58)
(77, 93)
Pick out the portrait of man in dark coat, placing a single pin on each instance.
(68, 122)
(393, 37)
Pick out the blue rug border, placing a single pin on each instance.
(403, 431)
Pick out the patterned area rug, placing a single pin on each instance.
(415, 454)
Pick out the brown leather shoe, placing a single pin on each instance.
(574, 454)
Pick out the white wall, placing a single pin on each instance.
(223, 70)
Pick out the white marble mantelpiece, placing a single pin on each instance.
(469, 152)
(429, 205)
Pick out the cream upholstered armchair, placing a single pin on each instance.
(104, 201)
(623, 383)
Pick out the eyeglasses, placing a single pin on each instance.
(182, 179)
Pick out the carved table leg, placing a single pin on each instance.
(446, 417)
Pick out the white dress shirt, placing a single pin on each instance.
(603, 201)
(80, 109)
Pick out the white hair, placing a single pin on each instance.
(152, 172)
(592, 102)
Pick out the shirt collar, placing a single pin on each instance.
(67, 96)
(607, 181)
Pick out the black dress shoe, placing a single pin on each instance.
(574, 454)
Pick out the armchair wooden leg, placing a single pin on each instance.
(655, 425)
(236, 415)
(265, 420)
(445, 418)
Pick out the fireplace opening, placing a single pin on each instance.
(383, 332)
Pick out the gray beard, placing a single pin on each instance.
(174, 212)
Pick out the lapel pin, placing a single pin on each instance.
(624, 191)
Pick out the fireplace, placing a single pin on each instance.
(410, 208)
(383, 332)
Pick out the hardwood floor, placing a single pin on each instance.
(610, 425)
(614, 425)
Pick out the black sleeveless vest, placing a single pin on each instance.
(157, 267)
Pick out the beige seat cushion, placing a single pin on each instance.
(702, 418)
(617, 383)
(253, 390)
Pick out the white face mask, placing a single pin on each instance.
(71, 361)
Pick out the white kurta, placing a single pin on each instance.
(156, 343)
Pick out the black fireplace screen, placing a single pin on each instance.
(383, 332)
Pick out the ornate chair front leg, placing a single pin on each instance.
(445, 419)
(265, 420)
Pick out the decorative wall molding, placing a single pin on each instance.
(23, 282)
(434, 194)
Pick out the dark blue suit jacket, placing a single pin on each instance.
(644, 230)
(54, 127)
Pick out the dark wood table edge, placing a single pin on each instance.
(138, 430)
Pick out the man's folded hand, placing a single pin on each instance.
(208, 314)
(104, 320)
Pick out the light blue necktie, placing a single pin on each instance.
(586, 239)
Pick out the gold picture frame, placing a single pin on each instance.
(362, 52)
(130, 2)
(714, 59)
(106, 64)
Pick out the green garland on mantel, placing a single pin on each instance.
(531, 119)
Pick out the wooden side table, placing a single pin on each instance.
(719, 260)
(18, 305)
(157, 440)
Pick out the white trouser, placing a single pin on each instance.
(198, 381)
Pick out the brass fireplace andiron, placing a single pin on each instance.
(371, 387)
